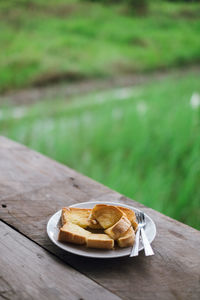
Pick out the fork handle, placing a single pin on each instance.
(135, 249)
(147, 247)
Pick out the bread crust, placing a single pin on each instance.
(119, 228)
(127, 240)
(106, 215)
(130, 215)
(100, 241)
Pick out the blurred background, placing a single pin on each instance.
(111, 89)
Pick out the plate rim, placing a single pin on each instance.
(63, 247)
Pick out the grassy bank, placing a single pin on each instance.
(144, 142)
(47, 41)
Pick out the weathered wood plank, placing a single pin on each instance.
(40, 186)
(29, 272)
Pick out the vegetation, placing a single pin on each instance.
(143, 141)
(47, 41)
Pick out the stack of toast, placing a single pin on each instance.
(100, 227)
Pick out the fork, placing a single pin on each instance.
(147, 247)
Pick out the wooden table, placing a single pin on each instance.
(32, 188)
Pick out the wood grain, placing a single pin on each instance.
(29, 272)
(33, 187)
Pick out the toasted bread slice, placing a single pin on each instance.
(102, 241)
(78, 216)
(106, 215)
(130, 215)
(73, 233)
(127, 239)
(119, 228)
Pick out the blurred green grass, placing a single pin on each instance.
(143, 141)
(47, 41)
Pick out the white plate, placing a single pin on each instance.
(53, 229)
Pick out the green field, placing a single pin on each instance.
(143, 141)
(49, 41)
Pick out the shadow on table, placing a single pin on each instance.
(108, 267)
